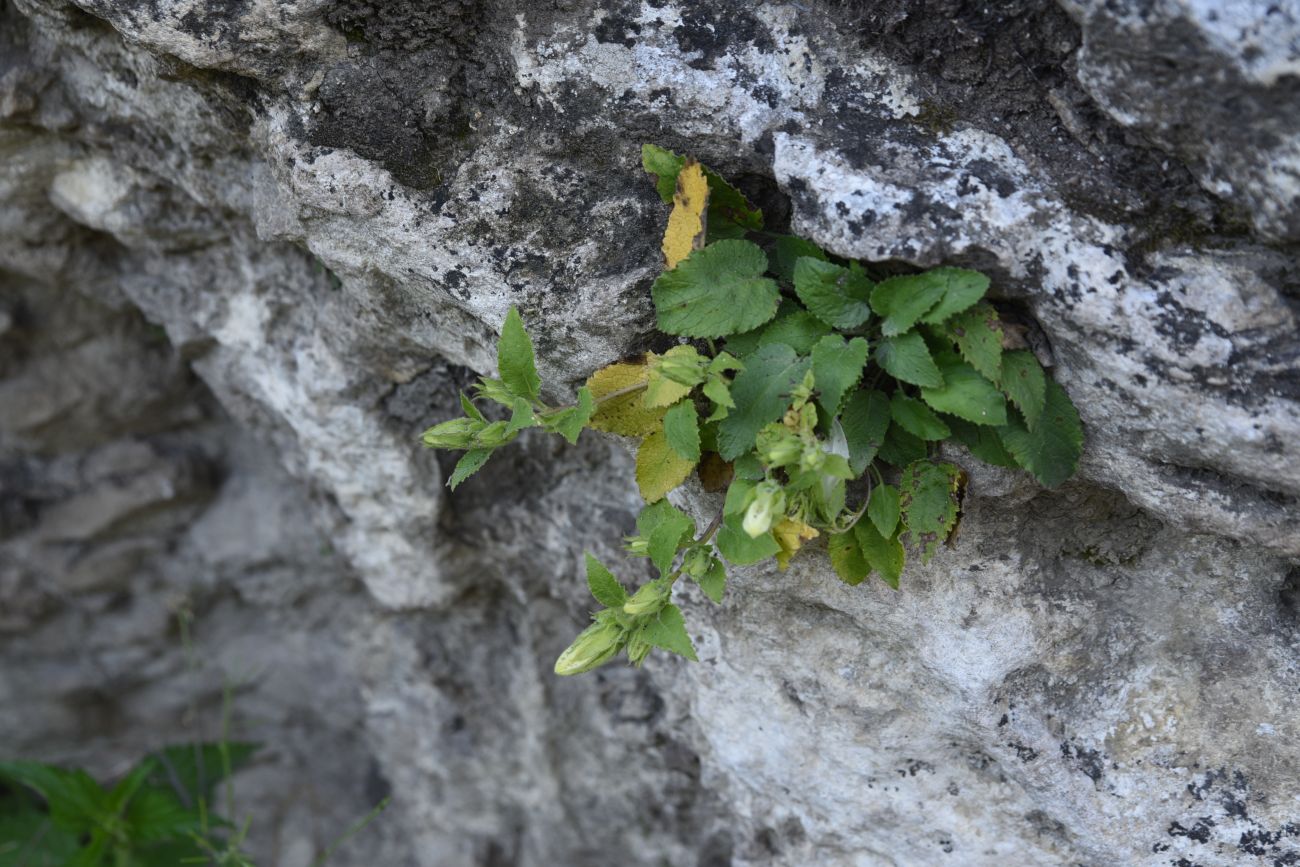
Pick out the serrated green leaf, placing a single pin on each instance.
(847, 558)
(469, 464)
(664, 165)
(666, 528)
(883, 509)
(885, 554)
(604, 586)
(930, 495)
(837, 366)
(76, 802)
(667, 631)
(154, 815)
(748, 467)
(1051, 451)
(837, 296)
(521, 416)
(786, 253)
(865, 420)
(29, 839)
(682, 427)
(659, 469)
(515, 360)
(1025, 383)
(981, 441)
(762, 394)
(907, 358)
(471, 411)
(193, 771)
(798, 329)
(570, 421)
(716, 291)
(900, 448)
(967, 395)
(901, 301)
(979, 339)
(916, 418)
(725, 201)
(714, 582)
(961, 289)
(739, 548)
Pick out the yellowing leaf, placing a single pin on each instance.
(790, 535)
(626, 414)
(686, 224)
(659, 469)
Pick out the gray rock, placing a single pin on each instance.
(248, 251)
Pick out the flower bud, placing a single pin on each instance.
(696, 563)
(646, 600)
(593, 647)
(459, 433)
(637, 650)
(777, 446)
(637, 546)
(767, 507)
(681, 364)
(493, 435)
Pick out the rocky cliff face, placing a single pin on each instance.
(249, 249)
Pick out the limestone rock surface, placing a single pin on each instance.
(248, 250)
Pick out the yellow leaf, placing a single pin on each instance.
(687, 222)
(659, 469)
(790, 535)
(627, 414)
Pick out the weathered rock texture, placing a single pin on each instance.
(249, 249)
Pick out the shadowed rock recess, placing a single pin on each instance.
(249, 249)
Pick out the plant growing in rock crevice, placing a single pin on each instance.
(811, 389)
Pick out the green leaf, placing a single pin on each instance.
(901, 301)
(900, 448)
(1025, 383)
(982, 442)
(471, 411)
(739, 548)
(1051, 451)
(930, 495)
(155, 815)
(716, 291)
(714, 582)
(717, 387)
(515, 360)
(469, 464)
(604, 586)
(193, 771)
(885, 554)
(798, 329)
(837, 366)
(664, 165)
(865, 421)
(29, 839)
(786, 253)
(667, 631)
(883, 509)
(916, 418)
(682, 427)
(725, 201)
(762, 394)
(967, 395)
(521, 416)
(906, 358)
(659, 469)
(666, 528)
(570, 421)
(847, 559)
(76, 802)
(961, 289)
(979, 339)
(835, 295)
